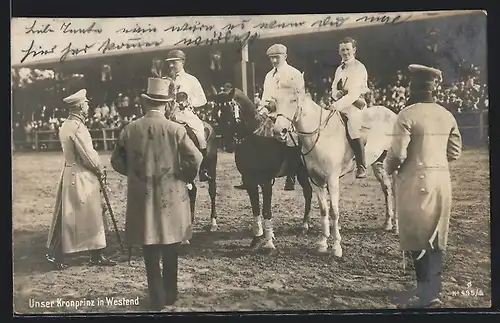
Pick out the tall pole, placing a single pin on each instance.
(244, 60)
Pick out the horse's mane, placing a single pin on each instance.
(241, 97)
(251, 117)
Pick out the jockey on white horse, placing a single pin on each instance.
(348, 88)
(190, 96)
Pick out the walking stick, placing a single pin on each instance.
(108, 206)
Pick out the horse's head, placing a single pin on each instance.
(225, 96)
(288, 109)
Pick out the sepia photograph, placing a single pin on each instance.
(250, 163)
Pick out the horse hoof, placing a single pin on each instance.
(257, 242)
(185, 242)
(269, 251)
(213, 228)
(337, 252)
(322, 249)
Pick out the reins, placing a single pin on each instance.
(318, 130)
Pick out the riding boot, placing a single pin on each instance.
(204, 176)
(359, 155)
(57, 261)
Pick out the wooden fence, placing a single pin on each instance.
(473, 126)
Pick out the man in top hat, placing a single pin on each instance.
(426, 138)
(348, 88)
(281, 76)
(190, 95)
(77, 221)
(159, 159)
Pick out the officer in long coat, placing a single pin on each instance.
(159, 159)
(77, 222)
(426, 139)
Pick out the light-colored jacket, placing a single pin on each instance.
(426, 138)
(158, 158)
(285, 79)
(191, 86)
(78, 199)
(353, 79)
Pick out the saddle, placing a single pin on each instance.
(365, 125)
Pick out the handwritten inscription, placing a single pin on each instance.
(43, 29)
(190, 32)
(329, 22)
(219, 38)
(384, 19)
(193, 27)
(73, 50)
(66, 28)
(110, 45)
(138, 29)
(35, 50)
(282, 25)
(242, 25)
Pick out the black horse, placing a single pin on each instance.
(228, 124)
(209, 163)
(260, 158)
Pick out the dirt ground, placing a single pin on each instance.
(219, 273)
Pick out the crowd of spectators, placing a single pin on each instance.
(465, 95)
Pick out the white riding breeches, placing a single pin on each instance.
(354, 121)
(188, 117)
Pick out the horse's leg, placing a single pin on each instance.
(334, 190)
(303, 180)
(212, 188)
(192, 193)
(386, 184)
(394, 204)
(253, 193)
(212, 191)
(324, 218)
(267, 196)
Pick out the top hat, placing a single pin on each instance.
(76, 98)
(175, 55)
(159, 90)
(276, 49)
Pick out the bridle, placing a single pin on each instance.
(293, 121)
(321, 126)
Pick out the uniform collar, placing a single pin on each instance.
(154, 113)
(75, 116)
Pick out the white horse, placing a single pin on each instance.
(328, 156)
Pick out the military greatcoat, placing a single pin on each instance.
(78, 199)
(426, 138)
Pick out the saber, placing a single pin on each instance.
(108, 206)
